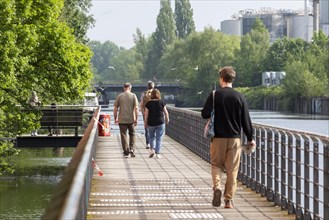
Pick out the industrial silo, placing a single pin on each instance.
(324, 16)
(232, 27)
(298, 27)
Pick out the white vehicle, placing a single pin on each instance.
(91, 101)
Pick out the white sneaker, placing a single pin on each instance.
(158, 156)
(152, 152)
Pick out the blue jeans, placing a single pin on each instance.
(147, 136)
(156, 135)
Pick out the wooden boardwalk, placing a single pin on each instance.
(177, 186)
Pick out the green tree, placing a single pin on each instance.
(184, 18)
(75, 13)
(300, 82)
(163, 36)
(126, 66)
(141, 48)
(307, 71)
(37, 52)
(249, 59)
(195, 62)
(277, 54)
(102, 60)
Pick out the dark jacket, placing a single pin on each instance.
(231, 113)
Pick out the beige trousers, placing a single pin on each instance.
(225, 155)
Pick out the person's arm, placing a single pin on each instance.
(207, 108)
(136, 110)
(146, 115)
(247, 124)
(136, 115)
(166, 114)
(115, 114)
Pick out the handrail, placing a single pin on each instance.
(70, 198)
(289, 168)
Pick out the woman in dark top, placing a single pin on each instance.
(156, 116)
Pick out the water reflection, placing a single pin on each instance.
(317, 124)
(26, 194)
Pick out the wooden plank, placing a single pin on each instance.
(177, 186)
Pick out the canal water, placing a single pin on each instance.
(26, 194)
(316, 124)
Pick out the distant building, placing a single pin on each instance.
(324, 16)
(232, 27)
(296, 27)
(279, 23)
(274, 21)
(272, 78)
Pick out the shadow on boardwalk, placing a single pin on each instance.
(177, 186)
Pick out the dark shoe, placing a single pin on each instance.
(216, 201)
(132, 154)
(148, 146)
(229, 204)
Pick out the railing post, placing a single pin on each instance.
(263, 163)
(284, 171)
(299, 177)
(258, 160)
(253, 167)
(326, 179)
(269, 166)
(277, 168)
(291, 207)
(315, 179)
(307, 157)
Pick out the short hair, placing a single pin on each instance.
(127, 85)
(155, 94)
(150, 85)
(227, 73)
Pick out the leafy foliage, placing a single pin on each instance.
(37, 52)
(163, 36)
(195, 62)
(250, 56)
(75, 13)
(307, 73)
(184, 18)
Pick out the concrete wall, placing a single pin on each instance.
(316, 105)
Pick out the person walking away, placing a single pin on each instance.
(156, 116)
(231, 115)
(126, 104)
(145, 97)
(34, 103)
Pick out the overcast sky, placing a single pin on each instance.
(117, 20)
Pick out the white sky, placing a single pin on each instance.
(117, 20)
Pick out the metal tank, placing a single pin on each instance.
(297, 27)
(324, 16)
(232, 27)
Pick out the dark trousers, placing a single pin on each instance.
(124, 139)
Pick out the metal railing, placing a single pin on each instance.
(71, 196)
(289, 168)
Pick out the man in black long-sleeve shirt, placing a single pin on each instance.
(231, 116)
